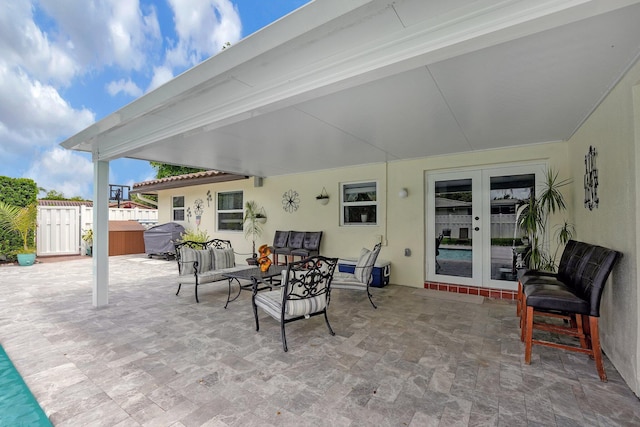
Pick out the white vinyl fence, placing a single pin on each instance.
(60, 228)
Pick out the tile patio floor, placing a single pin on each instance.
(153, 358)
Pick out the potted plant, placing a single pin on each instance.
(323, 197)
(21, 220)
(254, 217)
(87, 236)
(533, 218)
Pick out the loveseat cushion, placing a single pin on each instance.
(187, 257)
(223, 258)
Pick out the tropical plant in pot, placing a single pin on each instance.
(87, 236)
(533, 219)
(23, 221)
(253, 220)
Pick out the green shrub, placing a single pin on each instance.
(18, 192)
(195, 235)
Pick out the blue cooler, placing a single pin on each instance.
(381, 270)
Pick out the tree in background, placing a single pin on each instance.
(57, 195)
(164, 170)
(20, 192)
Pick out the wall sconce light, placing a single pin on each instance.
(403, 193)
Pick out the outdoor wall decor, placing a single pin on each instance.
(591, 199)
(290, 201)
(198, 208)
(209, 198)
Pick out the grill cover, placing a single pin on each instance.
(160, 238)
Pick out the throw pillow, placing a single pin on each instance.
(363, 270)
(223, 258)
(201, 256)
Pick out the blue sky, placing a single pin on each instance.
(65, 64)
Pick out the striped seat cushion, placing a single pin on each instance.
(271, 302)
(346, 281)
(189, 255)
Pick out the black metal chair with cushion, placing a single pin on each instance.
(362, 275)
(304, 293)
(310, 245)
(295, 241)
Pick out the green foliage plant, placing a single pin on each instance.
(195, 235)
(533, 218)
(21, 220)
(15, 192)
(164, 170)
(252, 227)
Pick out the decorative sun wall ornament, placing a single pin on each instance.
(591, 199)
(290, 201)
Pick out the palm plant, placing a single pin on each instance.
(22, 220)
(252, 225)
(533, 218)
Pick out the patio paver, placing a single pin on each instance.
(153, 358)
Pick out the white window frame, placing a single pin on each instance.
(345, 204)
(219, 211)
(175, 209)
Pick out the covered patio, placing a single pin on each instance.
(424, 358)
(401, 89)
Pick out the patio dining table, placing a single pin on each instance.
(256, 277)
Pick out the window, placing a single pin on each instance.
(230, 211)
(177, 207)
(359, 203)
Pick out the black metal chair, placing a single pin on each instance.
(362, 276)
(303, 294)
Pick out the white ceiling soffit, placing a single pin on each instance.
(332, 86)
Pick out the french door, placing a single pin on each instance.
(471, 223)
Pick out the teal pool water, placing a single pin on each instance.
(18, 407)
(455, 254)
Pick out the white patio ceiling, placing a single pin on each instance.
(340, 83)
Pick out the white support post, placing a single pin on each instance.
(100, 233)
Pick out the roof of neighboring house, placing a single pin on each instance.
(124, 204)
(197, 178)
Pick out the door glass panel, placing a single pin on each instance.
(506, 194)
(453, 222)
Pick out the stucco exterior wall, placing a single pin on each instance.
(613, 130)
(401, 222)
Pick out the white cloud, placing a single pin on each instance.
(125, 86)
(104, 32)
(161, 75)
(24, 45)
(34, 114)
(63, 170)
(203, 28)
